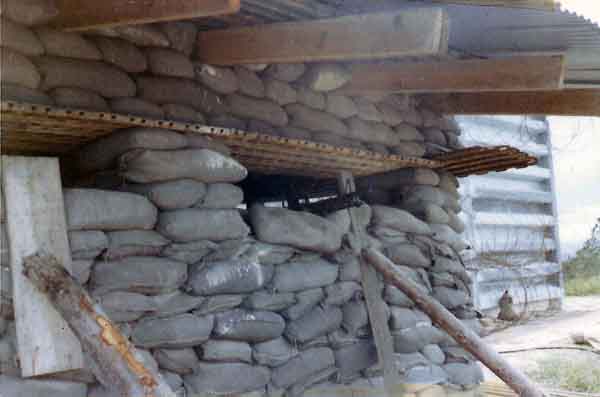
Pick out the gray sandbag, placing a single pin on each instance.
(302, 366)
(92, 209)
(367, 111)
(315, 120)
(87, 244)
(122, 54)
(262, 128)
(67, 44)
(182, 35)
(249, 326)
(374, 196)
(299, 276)
(273, 353)
(176, 302)
(228, 277)
(321, 341)
(336, 140)
(310, 98)
(14, 386)
(378, 148)
(349, 266)
(434, 354)
(171, 195)
(418, 193)
(183, 330)
(371, 132)
(388, 235)
(226, 351)
(199, 224)
(18, 69)
(407, 132)
(425, 375)
(182, 113)
(395, 296)
(434, 135)
(451, 298)
(399, 220)
(180, 361)
(121, 306)
(390, 114)
(288, 72)
(341, 292)
(445, 234)
(272, 254)
(17, 93)
(405, 361)
(125, 243)
(260, 109)
(226, 378)
(321, 377)
(295, 133)
(219, 303)
(340, 338)
(79, 98)
(455, 222)
(81, 269)
(306, 301)
(341, 106)
(103, 153)
(341, 219)
(143, 274)
(221, 195)
(354, 316)
(299, 229)
(325, 77)
(189, 252)
(263, 300)
(430, 118)
(143, 35)
(403, 318)
(106, 80)
(220, 79)
(408, 255)
(136, 107)
(249, 83)
(145, 166)
(464, 374)
(280, 92)
(167, 62)
(354, 358)
(174, 381)
(405, 176)
(233, 249)
(227, 121)
(19, 38)
(409, 149)
(318, 322)
(29, 12)
(411, 340)
(448, 182)
(429, 212)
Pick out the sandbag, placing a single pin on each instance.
(341, 292)
(341, 106)
(451, 298)
(341, 220)
(288, 72)
(29, 12)
(390, 114)
(368, 131)
(409, 149)
(182, 113)
(445, 234)
(260, 109)
(220, 79)
(399, 220)
(318, 322)
(455, 222)
(434, 135)
(302, 366)
(17, 93)
(402, 318)
(174, 381)
(299, 229)
(221, 195)
(263, 300)
(19, 38)
(87, 244)
(227, 121)
(18, 69)
(92, 209)
(167, 62)
(298, 389)
(121, 306)
(226, 351)
(295, 133)
(232, 249)
(349, 266)
(395, 296)
(464, 374)
(271, 254)
(408, 255)
(325, 76)
(106, 80)
(14, 386)
(300, 276)
(336, 140)
(122, 54)
(442, 264)
(273, 353)
(419, 193)
(171, 195)
(145, 166)
(352, 359)
(227, 378)
(249, 326)
(404, 176)
(137, 107)
(81, 269)
(411, 340)
(407, 132)
(79, 98)
(189, 252)
(310, 98)
(228, 277)
(147, 275)
(182, 35)
(426, 375)
(143, 35)
(280, 92)
(354, 316)
(183, 330)
(448, 182)
(306, 301)
(249, 83)
(378, 148)
(434, 353)
(125, 243)
(199, 224)
(315, 120)
(367, 111)
(429, 212)
(176, 302)
(200, 141)
(219, 303)
(67, 44)
(180, 361)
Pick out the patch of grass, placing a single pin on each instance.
(583, 286)
(578, 376)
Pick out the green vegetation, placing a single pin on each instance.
(582, 273)
(578, 376)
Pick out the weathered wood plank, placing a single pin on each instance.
(545, 5)
(90, 14)
(411, 32)
(559, 103)
(35, 219)
(528, 73)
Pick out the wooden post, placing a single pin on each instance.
(35, 220)
(446, 320)
(115, 362)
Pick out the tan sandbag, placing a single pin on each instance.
(220, 79)
(67, 44)
(279, 92)
(167, 62)
(367, 110)
(17, 93)
(18, 69)
(434, 135)
(78, 98)
(260, 109)
(285, 71)
(315, 120)
(182, 113)
(325, 77)
(407, 132)
(143, 35)
(182, 35)
(249, 83)
(19, 38)
(121, 53)
(106, 80)
(136, 107)
(366, 131)
(341, 106)
(29, 12)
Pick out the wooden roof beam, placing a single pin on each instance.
(528, 73)
(557, 103)
(544, 5)
(410, 32)
(91, 14)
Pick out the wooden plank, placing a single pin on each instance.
(91, 14)
(545, 5)
(35, 219)
(528, 73)
(410, 32)
(558, 103)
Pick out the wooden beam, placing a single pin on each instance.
(91, 14)
(35, 219)
(545, 5)
(557, 103)
(529, 73)
(410, 32)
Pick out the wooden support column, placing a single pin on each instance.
(410, 32)
(35, 220)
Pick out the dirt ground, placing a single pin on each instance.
(579, 314)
